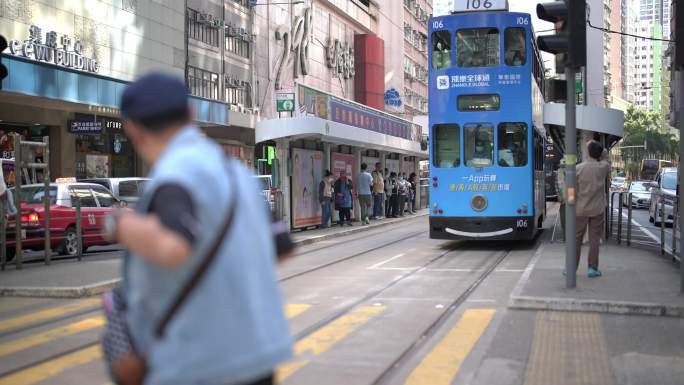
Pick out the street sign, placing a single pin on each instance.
(285, 102)
(480, 5)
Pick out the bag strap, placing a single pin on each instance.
(197, 276)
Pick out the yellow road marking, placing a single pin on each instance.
(442, 364)
(325, 338)
(47, 314)
(50, 335)
(52, 368)
(293, 310)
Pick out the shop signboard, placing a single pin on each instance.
(325, 106)
(85, 127)
(307, 172)
(53, 48)
(285, 102)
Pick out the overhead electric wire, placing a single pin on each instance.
(606, 30)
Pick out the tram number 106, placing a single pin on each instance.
(522, 224)
(478, 4)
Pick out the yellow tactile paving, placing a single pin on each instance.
(325, 338)
(47, 336)
(47, 314)
(441, 365)
(568, 349)
(52, 368)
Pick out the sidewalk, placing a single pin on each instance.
(99, 272)
(634, 281)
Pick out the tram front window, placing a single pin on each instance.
(514, 42)
(447, 142)
(441, 50)
(512, 144)
(477, 47)
(479, 144)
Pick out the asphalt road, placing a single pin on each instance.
(388, 306)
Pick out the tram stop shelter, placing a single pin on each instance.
(608, 123)
(325, 132)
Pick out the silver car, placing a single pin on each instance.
(124, 189)
(664, 190)
(641, 194)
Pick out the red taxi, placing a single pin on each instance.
(96, 203)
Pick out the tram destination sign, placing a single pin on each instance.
(480, 5)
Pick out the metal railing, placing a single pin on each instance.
(621, 224)
(21, 166)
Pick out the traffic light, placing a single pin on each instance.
(3, 69)
(569, 44)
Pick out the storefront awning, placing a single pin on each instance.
(334, 132)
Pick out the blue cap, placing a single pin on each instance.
(154, 96)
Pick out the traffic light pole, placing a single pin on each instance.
(570, 182)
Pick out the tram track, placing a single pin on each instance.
(343, 259)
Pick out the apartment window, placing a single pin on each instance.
(238, 46)
(236, 95)
(203, 83)
(200, 31)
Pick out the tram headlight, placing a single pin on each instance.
(478, 203)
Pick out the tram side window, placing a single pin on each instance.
(479, 144)
(512, 144)
(514, 42)
(477, 47)
(447, 142)
(441, 50)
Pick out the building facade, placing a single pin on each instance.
(68, 63)
(331, 84)
(416, 15)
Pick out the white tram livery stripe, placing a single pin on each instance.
(479, 235)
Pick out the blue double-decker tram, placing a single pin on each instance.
(486, 132)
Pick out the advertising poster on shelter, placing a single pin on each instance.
(392, 165)
(307, 172)
(97, 166)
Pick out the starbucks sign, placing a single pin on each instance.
(55, 49)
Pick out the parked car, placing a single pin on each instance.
(124, 189)
(641, 194)
(96, 202)
(617, 183)
(665, 186)
(265, 184)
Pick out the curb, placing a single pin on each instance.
(596, 306)
(60, 292)
(359, 229)
(520, 302)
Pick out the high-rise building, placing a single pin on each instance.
(416, 15)
(629, 50)
(648, 66)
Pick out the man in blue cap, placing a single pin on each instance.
(231, 329)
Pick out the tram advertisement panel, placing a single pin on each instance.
(307, 172)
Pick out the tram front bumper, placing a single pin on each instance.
(485, 228)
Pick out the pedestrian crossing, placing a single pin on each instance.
(53, 326)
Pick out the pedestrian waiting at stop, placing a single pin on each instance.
(413, 180)
(378, 191)
(393, 187)
(592, 176)
(344, 196)
(325, 195)
(388, 193)
(561, 193)
(196, 306)
(402, 194)
(365, 193)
